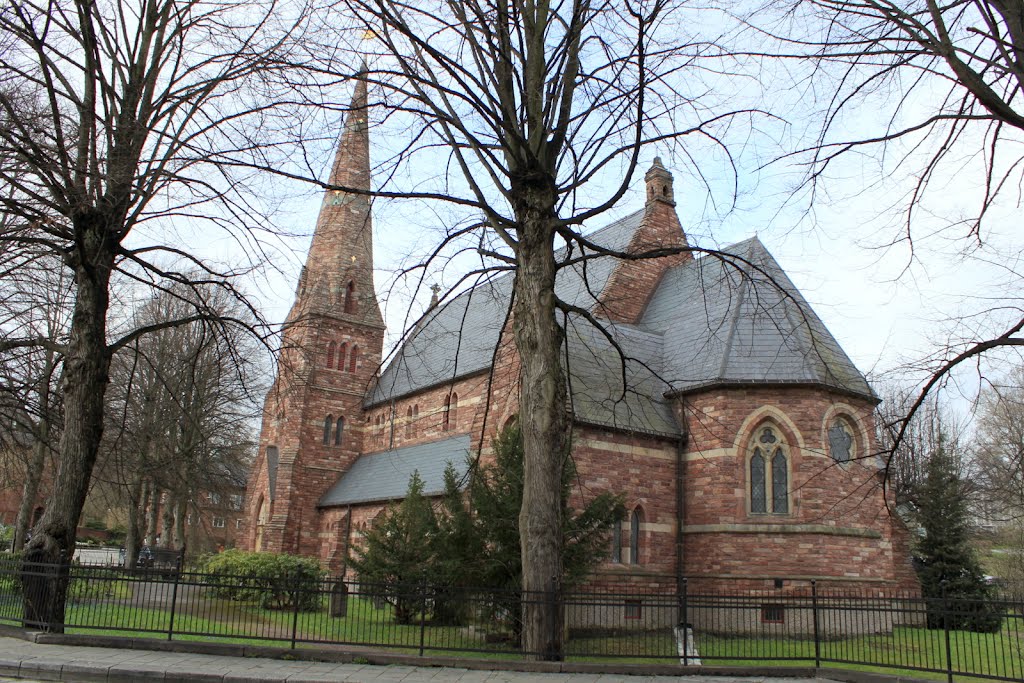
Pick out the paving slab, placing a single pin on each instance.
(22, 659)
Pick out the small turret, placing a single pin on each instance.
(659, 184)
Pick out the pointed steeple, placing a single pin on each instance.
(338, 276)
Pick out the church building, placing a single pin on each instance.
(739, 432)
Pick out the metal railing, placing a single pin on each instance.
(801, 624)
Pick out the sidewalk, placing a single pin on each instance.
(36, 661)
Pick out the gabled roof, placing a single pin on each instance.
(726, 322)
(385, 476)
(710, 321)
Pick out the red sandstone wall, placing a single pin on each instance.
(837, 529)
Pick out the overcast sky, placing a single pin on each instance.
(889, 305)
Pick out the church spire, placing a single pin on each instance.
(338, 276)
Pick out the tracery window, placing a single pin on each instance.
(840, 440)
(769, 474)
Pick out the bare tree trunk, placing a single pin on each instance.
(85, 380)
(544, 425)
(135, 513)
(34, 471)
(151, 514)
(29, 491)
(167, 508)
(179, 523)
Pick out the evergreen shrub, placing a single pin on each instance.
(274, 581)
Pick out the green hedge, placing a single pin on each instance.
(274, 581)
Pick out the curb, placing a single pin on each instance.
(55, 670)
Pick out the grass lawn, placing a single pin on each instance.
(373, 627)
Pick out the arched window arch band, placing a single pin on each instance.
(769, 474)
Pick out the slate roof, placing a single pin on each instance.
(385, 476)
(709, 322)
(459, 337)
(747, 325)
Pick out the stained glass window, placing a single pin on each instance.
(757, 497)
(840, 441)
(616, 554)
(780, 483)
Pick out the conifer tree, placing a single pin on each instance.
(395, 559)
(951, 578)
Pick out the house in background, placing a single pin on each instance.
(739, 432)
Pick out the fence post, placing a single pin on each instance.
(554, 602)
(174, 597)
(946, 614)
(423, 611)
(814, 617)
(684, 618)
(61, 583)
(295, 606)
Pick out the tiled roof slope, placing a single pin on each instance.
(385, 476)
(596, 372)
(459, 338)
(748, 324)
(707, 323)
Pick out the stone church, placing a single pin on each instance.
(739, 432)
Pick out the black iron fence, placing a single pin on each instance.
(800, 623)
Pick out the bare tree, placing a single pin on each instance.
(936, 90)
(35, 297)
(999, 450)
(529, 103)
(180, 413)
(906, 448)
(144, 112)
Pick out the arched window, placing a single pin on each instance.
(758, 502)
(769, 474)
(616, 552)
(840, 440)
(408, 422)
(330, 354)
(350, 297)
(454, 412)
(635, 519)
(342, 352)
(780, 483)
(328, 423)
(446, 415)
(339, 431)
(353, 358)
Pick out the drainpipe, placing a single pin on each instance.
(680, 508)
